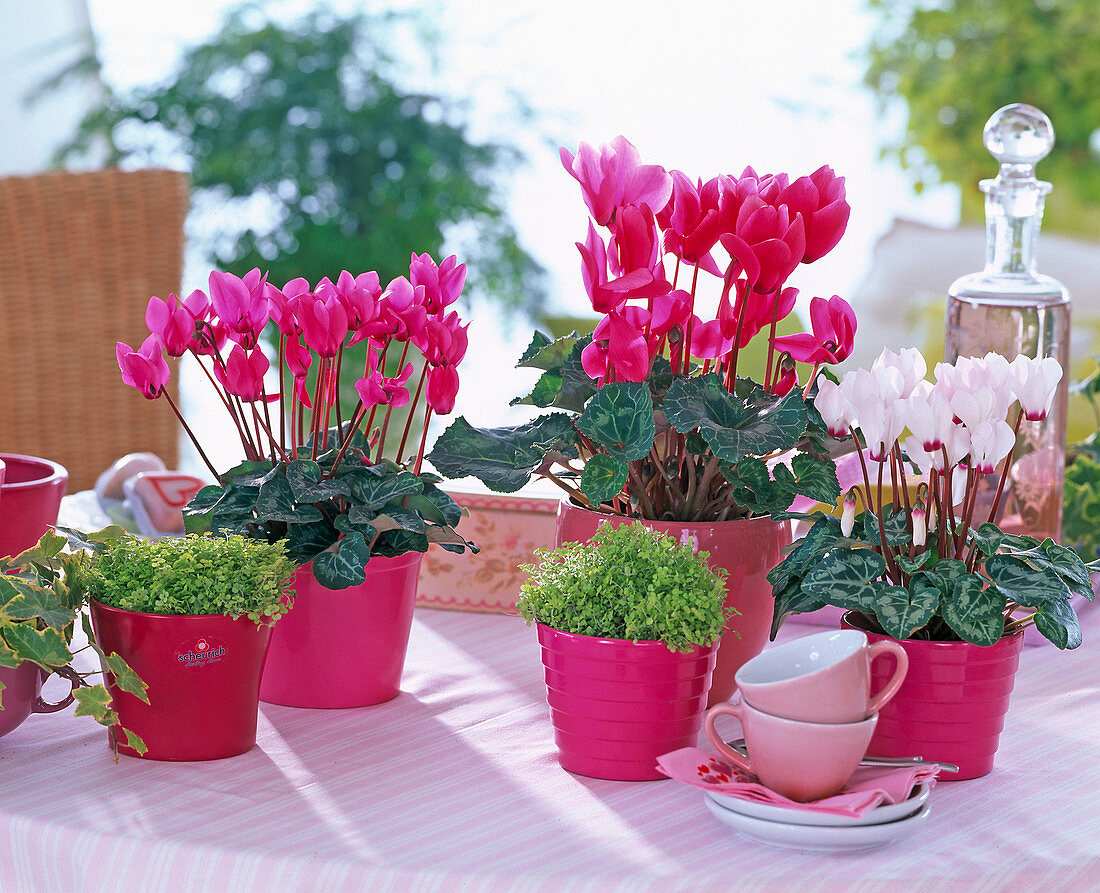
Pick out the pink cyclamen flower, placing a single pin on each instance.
(172, 322)
(753, 311)
(634, 256)
(443, 284)
(613, 175)
(1036, 383)
(375, 389)
(819, 198)
(359, 295)
(619, 346)
(324, 322)
(442, 389)
(691, 221)
(834, 329)
(144, 368)
(244, 373)
(241, 304)
(766, 242)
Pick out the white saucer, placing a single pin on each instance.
(815, 837)
(887, 812)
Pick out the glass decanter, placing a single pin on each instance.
(1012, 309)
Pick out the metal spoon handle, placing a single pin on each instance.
(739, 745)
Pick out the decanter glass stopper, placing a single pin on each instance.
(1019, 136)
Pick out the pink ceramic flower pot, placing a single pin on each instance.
(203, 674)
(22, 695)
(30, 494)
(617, 705)
(344, 647)
(952, 704)
(745, 549)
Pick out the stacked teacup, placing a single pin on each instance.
(807, 712)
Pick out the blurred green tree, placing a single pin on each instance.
(307, 157)
(955, 62)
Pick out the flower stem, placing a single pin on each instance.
(191, 434)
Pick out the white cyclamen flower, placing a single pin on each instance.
(909, 362)
(834, 407)
(929, 417)
(1036, 385)
(990, 442)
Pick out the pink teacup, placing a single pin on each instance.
(800, 760)
(822, 678)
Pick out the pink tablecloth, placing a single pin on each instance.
(454, 785)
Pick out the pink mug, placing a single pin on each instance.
(800, 760)
(22, 695)
(822, 678)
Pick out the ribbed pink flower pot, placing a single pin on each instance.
(747, 550)
(343, 647)
(30, 494)
(617, 705)
(952, 704)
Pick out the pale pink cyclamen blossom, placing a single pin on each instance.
(990, 441)
(1036, 384)
(909, 362)
(145, 368)
(929, 416)
(920, 524)
(848, 513)
(834, 408)
(612, 176)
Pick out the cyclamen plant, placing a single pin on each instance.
(656, 421)
(934, 567)
(310, 476)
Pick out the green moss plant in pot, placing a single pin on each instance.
(41, 597)
(347, 493)
(937, 573)
(628, 625)
(193, 617)
(652, 416)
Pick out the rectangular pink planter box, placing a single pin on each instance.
(507, 528)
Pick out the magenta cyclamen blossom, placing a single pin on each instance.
(664, 227)
(313, 326)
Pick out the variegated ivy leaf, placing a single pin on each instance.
(94, 701)
(619, 418)
(603, 478)
(125, 678)
(974, 610)
(46, 647)
(132, 739)
(902, 612)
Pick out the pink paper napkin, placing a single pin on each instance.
(869, 786)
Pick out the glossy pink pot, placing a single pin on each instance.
(745, 549)
(344, 647)
(30, 494)
(203, 673)
(952, 704)
(22, 695)
(617, 705)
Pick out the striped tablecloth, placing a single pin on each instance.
(454, 786)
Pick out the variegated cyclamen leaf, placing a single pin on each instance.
(344, 563)
(816, 478)
(1024, 584)
(603, 478)
(819, 539)
(901, 612)
(793, 599)
(1057, 621)
(619, 418)
(750, 422)
(975, 610)
(842, 575)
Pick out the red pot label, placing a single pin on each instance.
(201, 651)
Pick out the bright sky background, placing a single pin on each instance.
(707, 87)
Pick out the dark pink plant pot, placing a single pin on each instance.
(952, 704)
(617, 705)
(344, 647)
(22, 696)
(745, 549)
(30, 496)
(203, 674)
